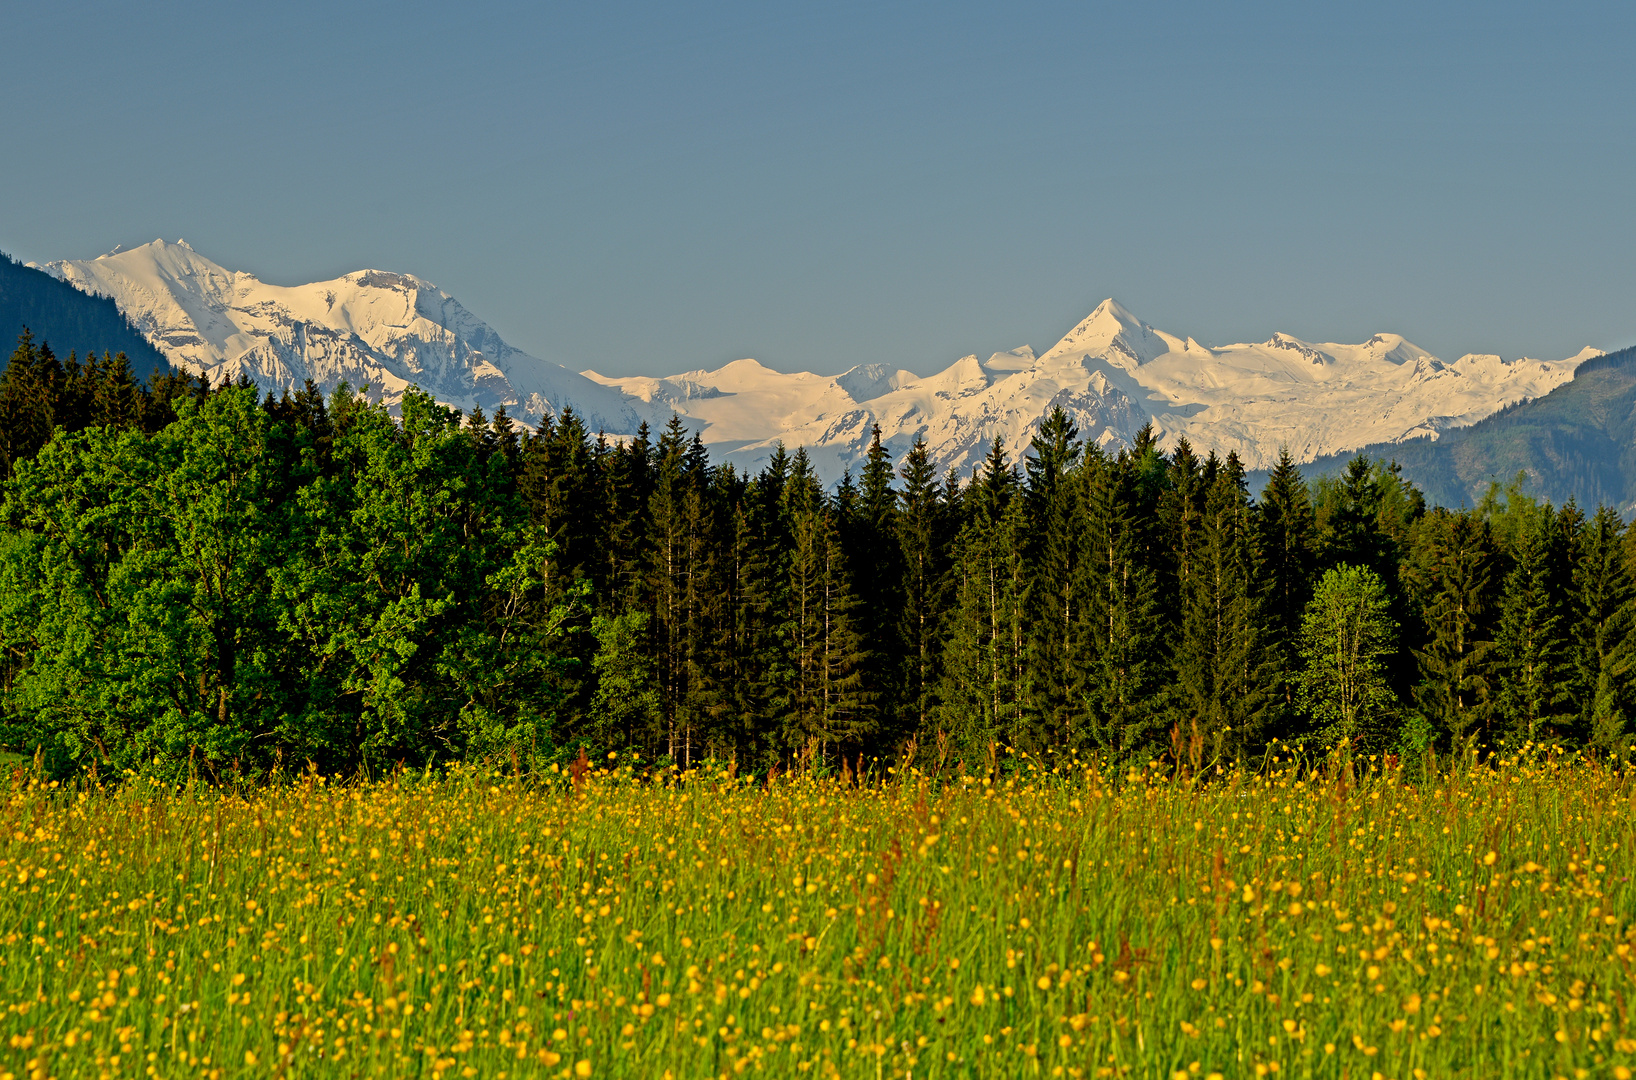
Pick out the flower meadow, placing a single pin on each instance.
(1348, 921)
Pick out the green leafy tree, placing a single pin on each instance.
(1346, 638)
(627, 703)
(139, 584)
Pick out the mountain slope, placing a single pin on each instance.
(389, 331)
(67, 319)
(1578, 441)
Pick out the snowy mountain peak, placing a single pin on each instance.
(371, 327)
(1307, 352)
(868, 381)
(1114, 334)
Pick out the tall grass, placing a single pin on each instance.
(1333, 922)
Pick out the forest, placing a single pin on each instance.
(201, 581)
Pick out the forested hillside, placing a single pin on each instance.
(310, 580)
(1577, 442)
(59, 315)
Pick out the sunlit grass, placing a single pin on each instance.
(1337, 923)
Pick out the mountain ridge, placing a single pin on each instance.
(375, 327)
(1112, 372)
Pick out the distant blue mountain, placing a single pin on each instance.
(68, 320)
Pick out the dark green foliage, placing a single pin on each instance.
(1532, 663)
(1223, 666)
(193, 579)
(1287, 546)
(56, 312)
(1451, 581)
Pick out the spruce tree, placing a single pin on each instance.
(1124, 640)
(669, 584)
(829, 704)
(1533, 699)
(875, 556)
(26, 400)
(979, 699)
(1051, 532)
(1604, 634)
(919, 525)
(1221, 671)
(1180, 509)
(1286, 546)
(1451, 578)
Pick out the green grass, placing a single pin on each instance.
(1336, 923)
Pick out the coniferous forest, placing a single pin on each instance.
(196, 579)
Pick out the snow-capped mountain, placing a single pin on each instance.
(1113, 373)
(389, 331)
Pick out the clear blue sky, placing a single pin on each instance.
(648, 188)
